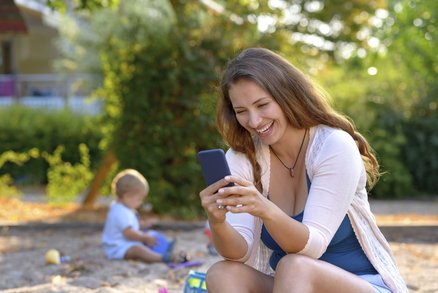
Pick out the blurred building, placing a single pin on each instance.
(28, 34)
(28, 30)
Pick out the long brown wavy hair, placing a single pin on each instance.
(303, 103)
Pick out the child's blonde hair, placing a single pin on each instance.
(128, 180)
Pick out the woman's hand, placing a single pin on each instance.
(243, 197)
(209, 196)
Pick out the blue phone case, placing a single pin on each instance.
(214, 165)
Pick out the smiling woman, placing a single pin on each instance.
(298, 209)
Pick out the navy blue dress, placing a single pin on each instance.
(344, 250)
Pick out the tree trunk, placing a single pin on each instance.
(105, 167)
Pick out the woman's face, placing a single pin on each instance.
(257, 111)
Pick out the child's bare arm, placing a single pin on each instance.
(136, 235)
(148, 223)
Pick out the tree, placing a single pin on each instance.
(160, 71)
(161, 60)
(413, 43)
(68, 6)
(391, 93)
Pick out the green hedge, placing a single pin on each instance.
(24, 128)
(420, 153)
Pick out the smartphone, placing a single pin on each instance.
(214, 165)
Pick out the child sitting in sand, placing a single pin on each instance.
(123, 237)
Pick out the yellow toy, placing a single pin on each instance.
(53, 256)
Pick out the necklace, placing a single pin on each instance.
(292, 169)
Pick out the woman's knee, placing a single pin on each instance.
(220, 273)
(229, 276)
(223, 269)
(295, 265)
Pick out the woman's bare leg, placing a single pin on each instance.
(229, 276)
(299, 273)
(143, 253)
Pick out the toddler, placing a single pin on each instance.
(123, 237)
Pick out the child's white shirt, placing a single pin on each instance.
(119, 218)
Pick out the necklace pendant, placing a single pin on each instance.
(292, 172)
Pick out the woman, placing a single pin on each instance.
(297, 218)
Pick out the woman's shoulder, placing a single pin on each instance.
(327, 139)
(324, 133)
(334, 145)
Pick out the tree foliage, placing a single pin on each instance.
(415, 35)
(391, 93)
(406, 87)
(161, 60)
(160, 65)
(81, 5)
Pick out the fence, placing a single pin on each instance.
(50, 91)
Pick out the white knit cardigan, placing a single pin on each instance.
(362, 220)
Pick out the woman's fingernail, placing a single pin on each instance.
(220, 190)
(227, 178)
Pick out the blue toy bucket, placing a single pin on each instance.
(162, 244)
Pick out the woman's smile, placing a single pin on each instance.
(266, 128)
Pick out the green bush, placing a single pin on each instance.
(159, 100)
(420, 153)
(22, 129)
(388, 140)
(66, 180)
(7, 187)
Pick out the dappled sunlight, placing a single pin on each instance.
(10, 244)
(15, 211)
(406, 219)
(418, 264)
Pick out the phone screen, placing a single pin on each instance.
(214, 165)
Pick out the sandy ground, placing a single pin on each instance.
(413, 237)
(23, 267)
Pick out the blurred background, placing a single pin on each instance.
(88, 87)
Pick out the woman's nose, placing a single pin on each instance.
(254, 120)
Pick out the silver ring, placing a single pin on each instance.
(221, 206)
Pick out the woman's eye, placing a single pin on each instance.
(240, 111)
(263, 105)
